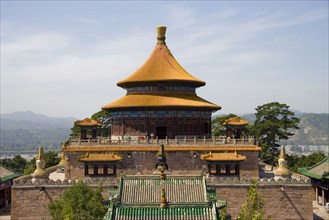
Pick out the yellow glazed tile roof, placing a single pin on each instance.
(123, 148)
(87, 122)
(222, 157)
(161, 66)
(161, 100)
(235, 121)
(99, 157)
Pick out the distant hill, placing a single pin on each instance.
(314, 129)
(24, 131)
(30, 120)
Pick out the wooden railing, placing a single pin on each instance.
(167, 141)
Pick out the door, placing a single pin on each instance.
(161, 132)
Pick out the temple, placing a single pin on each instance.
(161, 108)
(159, 159)
(161, 100)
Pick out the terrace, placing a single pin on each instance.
(190, 141)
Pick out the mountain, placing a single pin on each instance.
(25, 131)
(30, 120)
(313, 130)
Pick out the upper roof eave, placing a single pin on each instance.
(161, 100)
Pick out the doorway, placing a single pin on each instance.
(161, 132)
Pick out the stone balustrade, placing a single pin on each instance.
(167, 141)
(298, 176)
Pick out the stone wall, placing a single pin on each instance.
(29, 202)
(179, 162)
(283, 200)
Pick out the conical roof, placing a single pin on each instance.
(161, 66)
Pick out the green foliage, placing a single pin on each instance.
(16, 164)
(294, 161)
(274, 122)
(75, 131)
(20, 165)
(103, 117)
(253, 206)
(79, 202)
(51, 158)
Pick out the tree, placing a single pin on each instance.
(16, 164)
(51, 158)
(294, 161)
(253, 206)
(103, 117)
(274, 122)
(79, 201)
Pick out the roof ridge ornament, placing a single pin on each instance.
(163, 200)
(161, 30)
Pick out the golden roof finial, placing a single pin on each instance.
(282, 153)
(161, 30)
(162, 174)
(163, 200)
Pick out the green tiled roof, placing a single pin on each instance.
(178, 190)
(139, 198)
(6, 174)
(319, 171)
(154, 213)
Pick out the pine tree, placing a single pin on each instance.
(274, 122)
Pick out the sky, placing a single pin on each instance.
(64, 58)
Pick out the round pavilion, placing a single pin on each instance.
(161, 100)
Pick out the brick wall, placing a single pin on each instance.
(29, 203)
(178, 163)
(294, 202)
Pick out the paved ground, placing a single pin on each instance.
(5, 213)
(319, 212)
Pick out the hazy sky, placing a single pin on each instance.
(64, 58)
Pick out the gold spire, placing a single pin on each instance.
(161, 30)
(282, 152)
(40, 154)
(282, 171)
(161, 66)
(62, 162)
(163, 200)
(162, 174)
(40, 163)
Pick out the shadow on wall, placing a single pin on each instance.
(293, 205)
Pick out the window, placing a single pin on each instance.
(223, 169)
